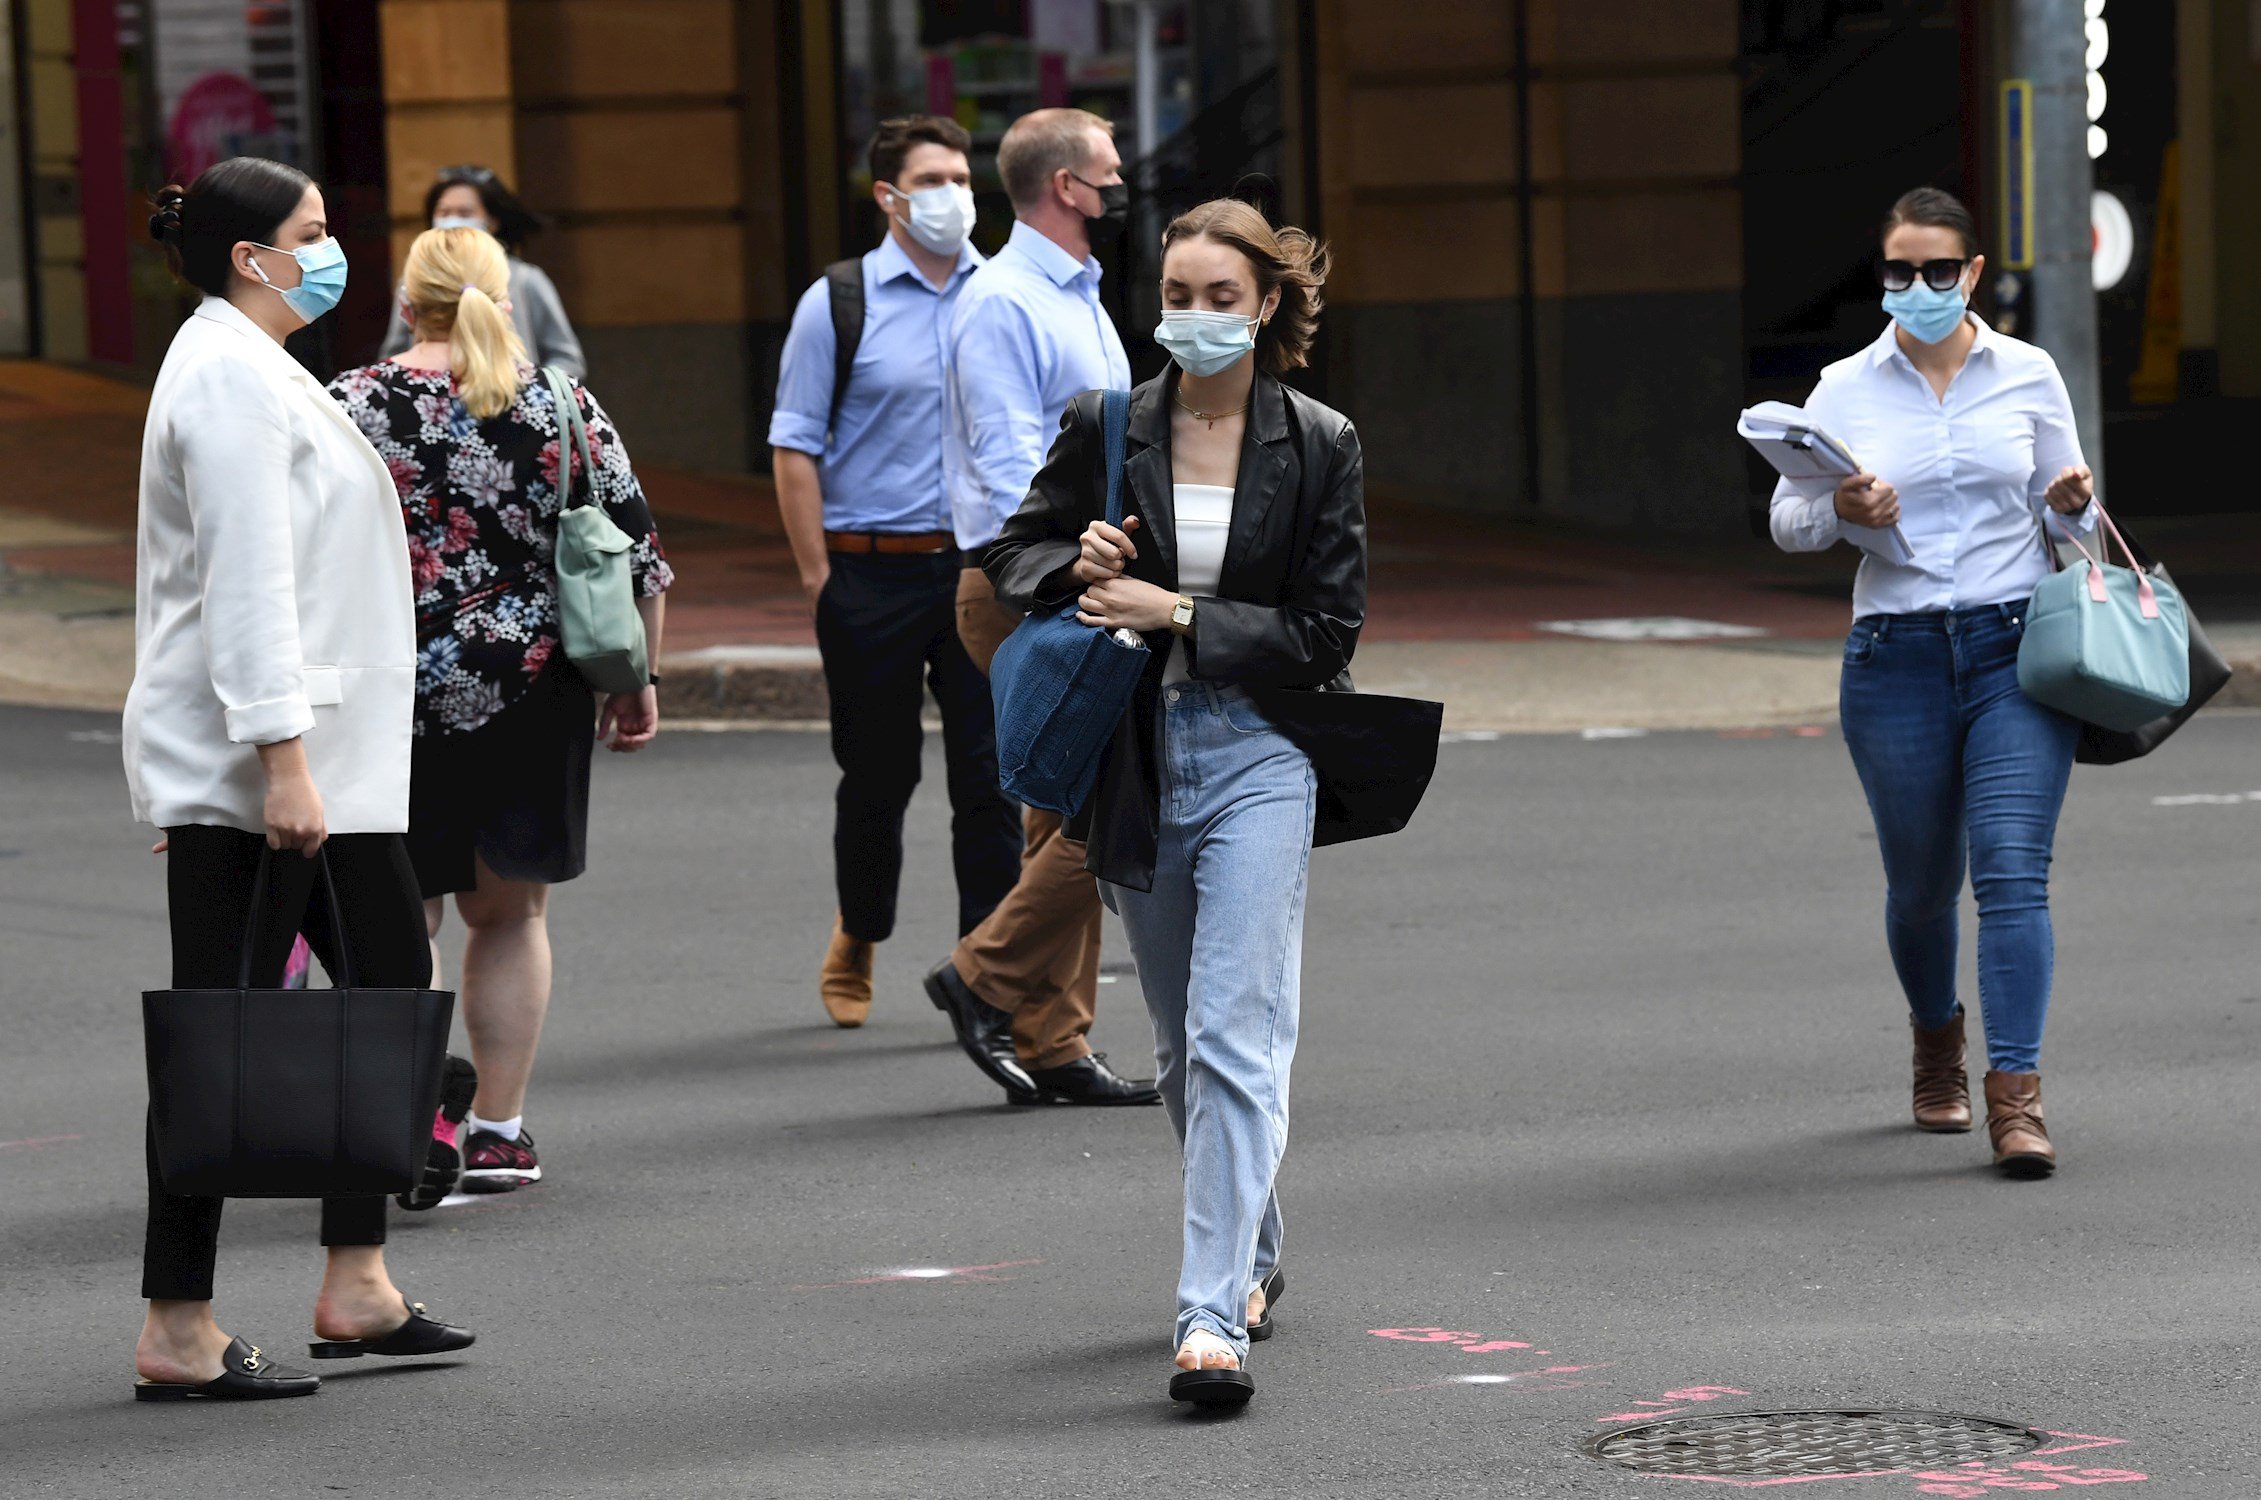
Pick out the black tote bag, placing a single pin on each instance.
(294, 1093)
(1373, 755)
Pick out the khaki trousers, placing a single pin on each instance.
(1037, 955)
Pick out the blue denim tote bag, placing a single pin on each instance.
(2108, 645)
(1060, 686)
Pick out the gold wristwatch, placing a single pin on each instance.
(1181, 618)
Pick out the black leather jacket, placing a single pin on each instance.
(1288, 608)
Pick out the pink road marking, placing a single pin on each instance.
(950, 1273)
(38, 1140)
(2075, 1442)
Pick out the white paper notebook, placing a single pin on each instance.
(1814, 462)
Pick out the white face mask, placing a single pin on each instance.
(941, 217)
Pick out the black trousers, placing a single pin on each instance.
(888, 629)
(209, 875)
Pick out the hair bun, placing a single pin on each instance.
(165, 224)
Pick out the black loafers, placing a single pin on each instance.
(984, 1031)
(1271, 1286)
(1087, 1081)
(245, 1375)
(418, 1336)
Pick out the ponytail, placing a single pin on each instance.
(484, 354)
(455, 282)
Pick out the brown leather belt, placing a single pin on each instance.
(893, 543)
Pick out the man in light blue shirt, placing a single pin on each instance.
(1029, 335)
(858, 459)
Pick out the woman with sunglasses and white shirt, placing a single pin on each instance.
(1965, 436)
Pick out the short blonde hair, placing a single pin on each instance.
(456, 282)
(1041, 143)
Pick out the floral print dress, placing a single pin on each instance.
(481, 499)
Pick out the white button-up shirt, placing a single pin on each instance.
(1971, 469)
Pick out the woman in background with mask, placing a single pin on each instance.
(273, 693)
(475, 198)
(1967, 434)
(1242, 560)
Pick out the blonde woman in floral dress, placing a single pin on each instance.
(505, 729)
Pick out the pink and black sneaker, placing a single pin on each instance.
(494, 1165)
(443, 1164)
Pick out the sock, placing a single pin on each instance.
(507, 1129)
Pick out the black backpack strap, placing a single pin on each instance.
(846, 280)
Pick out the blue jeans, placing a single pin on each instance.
(1219, 948)
(1961, 767)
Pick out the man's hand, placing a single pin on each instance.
(1868, 501)
(1107, 550)
(812, 585)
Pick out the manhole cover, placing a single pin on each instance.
(1769, 1443)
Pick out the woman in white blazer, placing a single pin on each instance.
(274, 682)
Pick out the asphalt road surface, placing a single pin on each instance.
(1603, 1075)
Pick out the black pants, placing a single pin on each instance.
(208, 881)
(888, 628)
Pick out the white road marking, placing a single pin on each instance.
(1653, 628)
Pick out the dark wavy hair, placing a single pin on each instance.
(242, 198)
(515, 222)
(1286, 258)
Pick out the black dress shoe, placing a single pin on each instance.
(418, 1336)
(984, 1031)
(1087, 1080)
(245, 1375)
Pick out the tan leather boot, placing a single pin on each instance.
(1943, 1089)
(2013, 1119)
(846, 981)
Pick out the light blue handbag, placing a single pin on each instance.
(2108, 645)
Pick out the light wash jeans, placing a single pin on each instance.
(1219, 948)
(1961, 769)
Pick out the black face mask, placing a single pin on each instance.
(1114, 209)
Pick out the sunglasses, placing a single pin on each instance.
(1939, 275)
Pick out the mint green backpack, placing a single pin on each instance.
(598, 624)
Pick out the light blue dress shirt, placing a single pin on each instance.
(881, 468)
(1971, 470)
(1028, 337)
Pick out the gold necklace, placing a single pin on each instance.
(1210, 417)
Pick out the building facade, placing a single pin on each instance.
(1571, 238)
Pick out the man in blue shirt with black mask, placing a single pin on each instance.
(1028, 336)
(856, 441)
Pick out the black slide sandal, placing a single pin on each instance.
(418, 1336)
(245, 1375)
(1271, 1286)
(1213, 1388)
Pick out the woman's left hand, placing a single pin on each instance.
(630, 721)
(2072, 489)
(1126, 602)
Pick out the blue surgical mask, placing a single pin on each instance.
(1928, 316)
(458, 221)
(321, 277)
(1205, 342)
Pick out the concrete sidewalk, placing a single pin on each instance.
(1517, 627)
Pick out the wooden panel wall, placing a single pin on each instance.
(1635, 144)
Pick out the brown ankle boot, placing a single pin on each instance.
(2013, 1119)
(846, 982)
(1943, 1089)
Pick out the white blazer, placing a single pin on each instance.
(272, 592)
